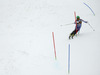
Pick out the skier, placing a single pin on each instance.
(77, 27)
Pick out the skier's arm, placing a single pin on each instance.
(84, 21)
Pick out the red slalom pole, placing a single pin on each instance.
(75, 20)
(54, 45)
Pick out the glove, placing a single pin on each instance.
(86, 21)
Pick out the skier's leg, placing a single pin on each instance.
(78, 32)
(72, 34)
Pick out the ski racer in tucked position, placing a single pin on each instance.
(78, 23)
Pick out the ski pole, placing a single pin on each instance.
(67, 24)
(91, 27)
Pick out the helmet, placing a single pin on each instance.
(78, 17)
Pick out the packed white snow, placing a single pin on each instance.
(26, 43)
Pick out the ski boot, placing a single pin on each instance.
(71, 36)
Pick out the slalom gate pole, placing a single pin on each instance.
(54, 45)
(68, 58)
(89, 8)
(91, 27)
(75, 20)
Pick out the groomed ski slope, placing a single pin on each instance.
(26, 43)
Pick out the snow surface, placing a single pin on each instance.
(26, 43)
